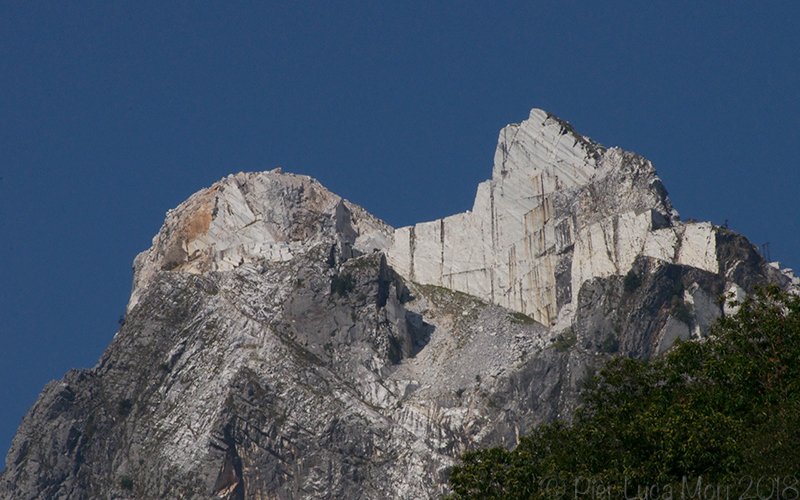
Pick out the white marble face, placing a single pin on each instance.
(558, 211)
(557, 204)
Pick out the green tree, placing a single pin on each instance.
(715, 411)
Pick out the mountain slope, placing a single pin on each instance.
(282, 342)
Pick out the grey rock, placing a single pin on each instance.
(271, 349)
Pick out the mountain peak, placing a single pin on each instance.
(282, 342)
(559, 210)
(255, 218)
(546, 144)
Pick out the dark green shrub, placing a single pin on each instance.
(610, 344)
(126, 483)
(522, 319)
(565, 341)
(711, 412)
(631, 282)
(124, 407)
(342, 285)
(681, 311)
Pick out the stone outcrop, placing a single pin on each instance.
(558, 211)
(280, 342)
(255, 219)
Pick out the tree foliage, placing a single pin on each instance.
(720, 413)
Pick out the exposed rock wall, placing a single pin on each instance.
(558, 211)
(280, 342)
(255, 219)
(322, 375)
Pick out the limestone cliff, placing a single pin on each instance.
(281, 342)
(558, 211)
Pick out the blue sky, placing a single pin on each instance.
(113, 112)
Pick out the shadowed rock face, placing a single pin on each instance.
(280, 342)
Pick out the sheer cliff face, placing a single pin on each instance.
(280, 342)
(558, 211)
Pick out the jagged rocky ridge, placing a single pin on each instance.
(280, 342)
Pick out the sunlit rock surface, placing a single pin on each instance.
(255, 218)
(281, 342)
(558, 211)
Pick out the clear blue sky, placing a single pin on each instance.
(113, 112)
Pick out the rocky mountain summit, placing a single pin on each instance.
(281, 342)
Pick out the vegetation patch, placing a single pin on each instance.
(124, 407)
(126, 483)
(610, 344)
(342, 284)
(522, 319)
(442, 294)
(632, 282)
(362, 262)
(719, 415)
(681, 311)
(565, 341)
(451, 301)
